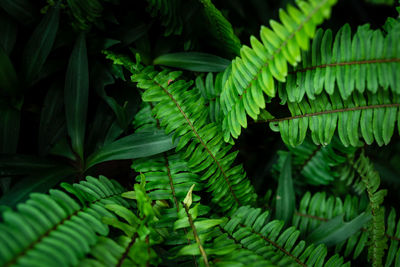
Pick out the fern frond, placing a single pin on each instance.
(210, 90)
(254, 72)
(369, 60)
(377, 238)
(320, 165)
(221, 29)
(319, 208)
(180, 108)
(370, 116)
(393, 234)
(169, 14)
(134, 247)
(168, 177)
(54, 228)
(84, 12)
(250, 227)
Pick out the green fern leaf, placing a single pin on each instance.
(370, 116)
(57, 225)
(254, 72)
(321, 165)
(210, 90)
(181, 109)
(221, 28)
(84, 13)
(368, 60)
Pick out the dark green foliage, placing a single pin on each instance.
(369, 116)
(155, 93)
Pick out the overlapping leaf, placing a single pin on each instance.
(253, 74)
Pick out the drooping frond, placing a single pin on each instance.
(319, 165)
(249, 233)
(169, 14)
(319, 208)
(368, 60)
(54, 228)
(181, 109)
(221, 29)
(370, 177)
(254, 72)
(251, 228)
(210, 90)
(370, 116)
(134, 246)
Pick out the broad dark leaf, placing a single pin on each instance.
(137, 145)
(8, 32)
(41, 182)
(9, 129)
(16, 164)
(285, 197)
(40, 44)
(336, 230)
(76, 94)
(194, 61)
(52, 119)
(9, 84)
(21, 10)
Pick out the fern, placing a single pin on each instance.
(319, 208)
(328, 93)
(251, 227)
(320, 165)
(221, 29)
(181, 109)
(377, 227)
(369, 60)
(168, 12)
(84, 12)
(57, 224)
(134, 246)
(393, 233)
(255, 71)
(370, 116)
(210, 90)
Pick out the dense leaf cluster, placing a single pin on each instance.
(171, 100)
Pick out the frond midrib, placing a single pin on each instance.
(297, 260)
(346, 63)
(125, 254)
(320, 113)
(48, 232)
(199, 138)
(279, 49)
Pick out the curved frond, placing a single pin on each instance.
(251, 228)
(254, 72)
(369, 116)
(180, 109)
(370, 177)
(84, 12)
(54, 228)
(368, 60)
(320, 165)
(319, 208)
